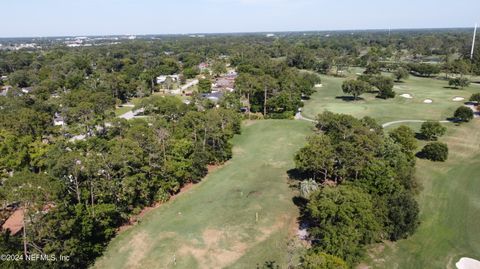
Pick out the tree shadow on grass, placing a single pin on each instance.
(349, 98)
(296, 174)
(419, 136)
(269, 265)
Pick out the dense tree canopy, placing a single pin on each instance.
(360, 171)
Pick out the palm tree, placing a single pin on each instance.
(307, 187)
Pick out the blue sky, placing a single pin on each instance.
(98, 17)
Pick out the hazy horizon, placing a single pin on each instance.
(50, 18)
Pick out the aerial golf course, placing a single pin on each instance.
(242, 214)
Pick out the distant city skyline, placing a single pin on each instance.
(32, 18)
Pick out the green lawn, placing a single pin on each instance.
(124, 109)
(398, 108)
(450, 209)
(213, 225)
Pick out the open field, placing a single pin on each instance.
(398, 108)
(450, 209)
(213, 225)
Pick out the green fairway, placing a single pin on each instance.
(450, 209)
(398, 108)
(213, 225)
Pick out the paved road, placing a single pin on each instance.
(131, 114)
(299, 116)
(190, 84)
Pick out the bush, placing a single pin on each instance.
(424, 69)
(432, 130)
(401, 73)
(253, 116)
(459, 82)
(463, 114)
(435, 151)
(404, 136)
(322, 260)
(475, 97)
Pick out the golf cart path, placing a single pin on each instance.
(409, 121)
(299, 116)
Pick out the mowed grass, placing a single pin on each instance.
(120, 110)
(213, 225)
(398, 108)
(450, 209)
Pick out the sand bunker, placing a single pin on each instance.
(428, 101)
(406, 95)
(458, 99)
(468, 263)
(318, 85)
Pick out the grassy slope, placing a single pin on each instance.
(213, 224)
(450, 209)
(398, 108)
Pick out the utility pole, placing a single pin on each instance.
(473, 42)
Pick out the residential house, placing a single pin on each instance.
(27, 90)
(162, 78)
(5, 89)
(58, 120)
(15, 222)
(203, 66)
(213, 96)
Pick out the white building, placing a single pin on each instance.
(162, 78)
(58, 120)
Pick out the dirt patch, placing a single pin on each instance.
(212, 254)
(139, 245)
(214, 167)
(249, 122)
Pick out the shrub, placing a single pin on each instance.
(432, 130)
(435, 151)
(475, 97)
(463, 114)
(253, 116)
(401, 73)
(459, 82)
(322, 260)
(404, 136)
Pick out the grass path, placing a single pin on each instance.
(450, 209)
(214, 225)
